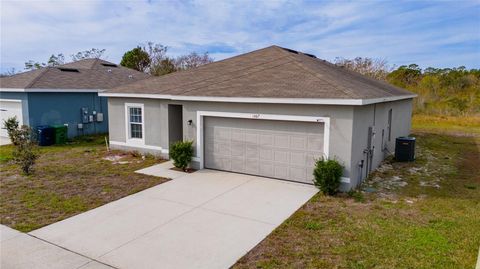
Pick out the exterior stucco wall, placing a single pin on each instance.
(376, 115)
(18, 96)
(348, 127)
(340, 121)
(156, 122)
(65, 108)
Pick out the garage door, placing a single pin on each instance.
(278, 149)
(9, 109)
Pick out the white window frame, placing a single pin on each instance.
(128, 139)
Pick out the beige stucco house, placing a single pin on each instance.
(270, 112)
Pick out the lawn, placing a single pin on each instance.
(424, 214)
(68, 179)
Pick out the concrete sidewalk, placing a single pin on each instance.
(22, 251)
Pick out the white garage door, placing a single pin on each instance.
(270, 148)
(9, 109)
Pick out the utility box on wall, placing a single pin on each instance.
(99, 117)
(84, 114)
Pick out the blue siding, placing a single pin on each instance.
(18, 96)
(65, 108)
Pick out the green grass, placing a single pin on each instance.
(432, 222)
(467, 125)
(6, 153)
(67, 180)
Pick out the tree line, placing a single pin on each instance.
(441, 91)
(151, 58)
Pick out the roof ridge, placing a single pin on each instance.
(37, 77)
(301, 65)
(94, 63)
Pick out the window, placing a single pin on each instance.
(134, 123)
(389, 125)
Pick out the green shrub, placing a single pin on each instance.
(327, 174)
(25, 153)
(11, 124)
(181, 153)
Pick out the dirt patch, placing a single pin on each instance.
(188, 170)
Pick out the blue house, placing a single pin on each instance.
(63, 95)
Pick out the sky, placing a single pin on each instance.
(428, 33)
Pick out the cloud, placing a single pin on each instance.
(428, 33)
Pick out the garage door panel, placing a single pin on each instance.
(315, 143)
(251, 138)
(297, 158)
(222, 133)
(238, 135)
(297, 174)
(238, 149)
(281, 171)
(251, 166)
(251, 151)
(298, 142)
(279, 149)
(281, 141)
(10, 109)
(265, 139)
(238, 164)
(223, 148)
(218, 161)
(266, 154)
(281, 156)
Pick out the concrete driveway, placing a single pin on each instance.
(207, 219)
(22, 251)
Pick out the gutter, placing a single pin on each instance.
(49, 90)
(309, 101)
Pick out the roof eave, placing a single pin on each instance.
(306, 101)
(50, 90)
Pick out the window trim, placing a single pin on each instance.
(128, 139)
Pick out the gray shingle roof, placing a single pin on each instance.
(272, 72)
(92, 74)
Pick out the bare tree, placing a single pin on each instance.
(59, 59)
(160, 63)
(192, 60)
(9, 72)
(88, 54)
(373, 67)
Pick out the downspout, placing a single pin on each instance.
(373, 136)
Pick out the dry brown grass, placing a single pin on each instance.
(68, 180)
